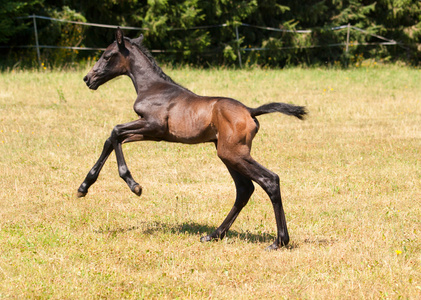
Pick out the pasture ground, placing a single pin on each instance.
(350, 180)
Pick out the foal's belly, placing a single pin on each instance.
(191, 123)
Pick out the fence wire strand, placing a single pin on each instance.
(303, 31)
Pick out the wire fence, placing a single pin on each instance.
(346, 43)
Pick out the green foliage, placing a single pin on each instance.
(9, 10)
(63, 34)
(169, 29)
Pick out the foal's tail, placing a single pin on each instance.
(288, 109)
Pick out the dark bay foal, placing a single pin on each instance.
(170, 112)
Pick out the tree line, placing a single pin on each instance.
(398, 20)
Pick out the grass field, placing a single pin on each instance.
(350, 180)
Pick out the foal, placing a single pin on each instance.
(170, 112)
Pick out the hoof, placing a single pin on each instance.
(276, 245)
(210, 238)
(206, 238)
(81, 194)
(272, 247)
(137, 190)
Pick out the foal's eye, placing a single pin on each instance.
(109, 55)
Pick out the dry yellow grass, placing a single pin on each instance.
(350, 177)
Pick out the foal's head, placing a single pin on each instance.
(113, 62)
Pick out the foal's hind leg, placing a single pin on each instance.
(245, 189)
(238, 158)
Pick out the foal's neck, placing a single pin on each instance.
(144, 71)
(142, 74)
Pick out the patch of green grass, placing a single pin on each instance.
(350, 177)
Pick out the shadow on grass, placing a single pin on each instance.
(196, 229)
(191, 228)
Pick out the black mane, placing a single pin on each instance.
(149, 56)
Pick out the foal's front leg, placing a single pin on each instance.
(123, 170)
(96, 169)
(129, 132)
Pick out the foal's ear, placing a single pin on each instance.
(119, 36)
(138, 41)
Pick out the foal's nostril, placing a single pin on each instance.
(85, 78)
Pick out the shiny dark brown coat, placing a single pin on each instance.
(170, 112)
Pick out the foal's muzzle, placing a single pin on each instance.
(91, 85)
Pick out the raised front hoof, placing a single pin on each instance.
(137, 190)
(81, 194)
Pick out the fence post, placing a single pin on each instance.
(347, 37)
(36, 40)
(238, 46)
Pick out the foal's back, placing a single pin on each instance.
(196, 119)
